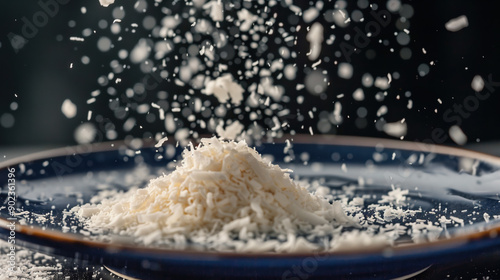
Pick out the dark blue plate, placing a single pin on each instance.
(461, 186)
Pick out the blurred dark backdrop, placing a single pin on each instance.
(48, 68)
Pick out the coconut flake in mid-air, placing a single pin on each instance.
(161, 141)
(457, 24)
(345, 70)
(315, 39)
(457, 135)
(225, 88)
(106, 3)
(68, 108)
(396, 129)
(215, 9)
(477, 83)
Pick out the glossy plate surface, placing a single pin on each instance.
(452, 189)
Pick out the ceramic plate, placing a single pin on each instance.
(452, 193)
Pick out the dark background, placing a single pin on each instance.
(38, 77)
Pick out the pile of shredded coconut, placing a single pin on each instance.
(223, 196)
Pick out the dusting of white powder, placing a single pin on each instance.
(224, 196)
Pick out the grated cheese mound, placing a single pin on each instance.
(223, 196)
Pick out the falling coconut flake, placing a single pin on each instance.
(382, 83)
(161, 141)
(358, 94)
(315, 39)
(247, 19)
(74, 38)
(140, 52)
(215, 10)
(231, 132)
(367, 80)
(457, 24)
(477, 83)
(382, 111)
(310, 14)
(225, 88)
(106, 3)
(396, 129)
(85, 133)
(345, 70)
(68, 108)
(457, 135)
